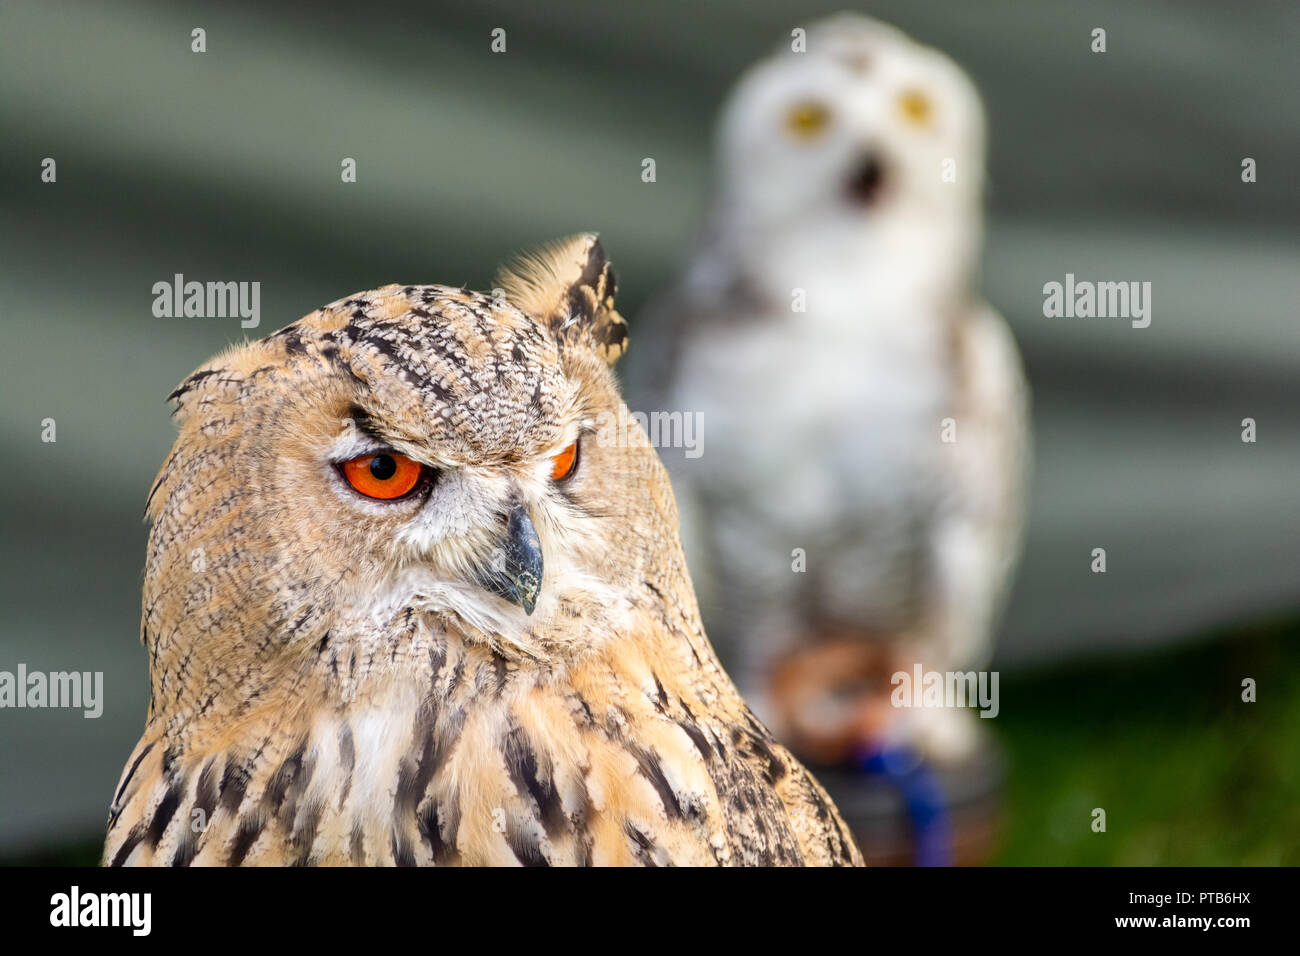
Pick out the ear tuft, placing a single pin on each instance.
(569, 286)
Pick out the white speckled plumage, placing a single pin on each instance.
(849, 182)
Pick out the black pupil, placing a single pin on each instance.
(382, 467)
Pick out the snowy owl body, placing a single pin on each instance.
(863, 478)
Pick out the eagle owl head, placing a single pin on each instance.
(415, 453)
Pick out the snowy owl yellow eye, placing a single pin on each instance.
(915, 106)
(807, 120)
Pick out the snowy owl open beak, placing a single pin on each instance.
(865, 180)
(516, 570)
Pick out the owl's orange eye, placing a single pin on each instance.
(565, 463)
(386, 476)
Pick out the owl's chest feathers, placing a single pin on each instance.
(470, 758)
(852, 372)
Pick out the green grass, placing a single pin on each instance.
(1187, 772)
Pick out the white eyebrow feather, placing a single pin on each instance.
(350, 443)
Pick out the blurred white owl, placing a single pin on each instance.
(858, 503)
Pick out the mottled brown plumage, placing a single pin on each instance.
(339, 680)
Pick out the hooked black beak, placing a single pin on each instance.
(516, 571)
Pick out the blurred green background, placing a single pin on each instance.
(1119, 690)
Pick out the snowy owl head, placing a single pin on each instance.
(865, 142)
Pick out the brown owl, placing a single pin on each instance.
(410, 599)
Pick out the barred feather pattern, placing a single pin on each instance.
(331, 684)
(625, 758)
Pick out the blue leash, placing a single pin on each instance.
(923, 796)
